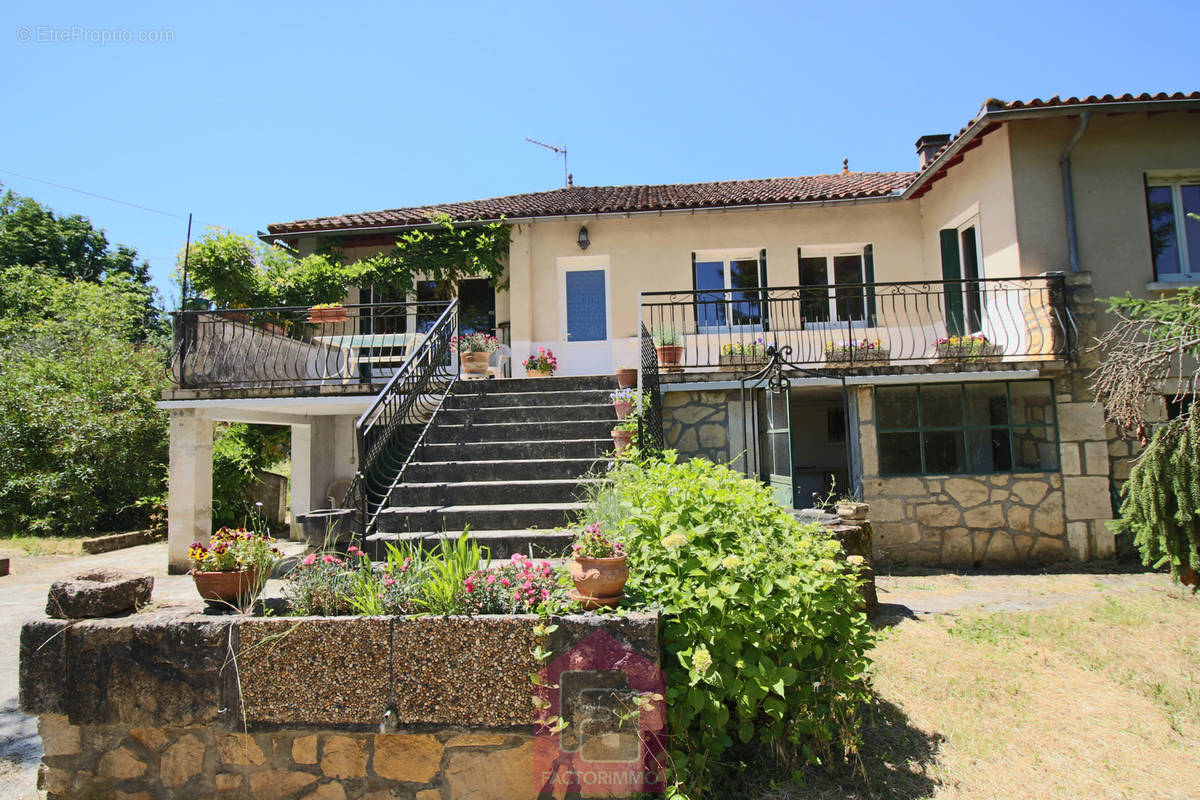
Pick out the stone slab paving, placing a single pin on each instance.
(23, 597)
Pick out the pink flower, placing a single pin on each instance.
(505, 582)
(328, 559)
(470, 586)
(352, 550)
(310, 560)
(491, 579)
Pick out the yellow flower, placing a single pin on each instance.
(729, 562)
(701, 659)
(674, 540)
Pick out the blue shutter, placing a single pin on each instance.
(587, 314)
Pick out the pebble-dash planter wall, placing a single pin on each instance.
(419, 708)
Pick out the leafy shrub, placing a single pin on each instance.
(517, 587)
(240, 452)
(82, 441)
(764, 643)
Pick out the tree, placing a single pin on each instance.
(1156, 341)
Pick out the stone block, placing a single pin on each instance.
(59, 736)
(967, 492)
(904, 487)
(344, 757)
(1019, 518)
(712, 436)
(889, 535)
(1103, 541)
(691, 414)
(240, 749)
(999, 495)
(304, 749)
(477, 740)
(937, 515)
(150, 738)
(1119, 448)
(472, 775)
(1087, 498)
(98, 593)
(988, 516)
(1095, 458)
(1048, 518)
(279, 655)
(1121, 469)
(276, 784)
(228, 782)
(956, 546)
(43, 667)
(411, 758)
(57, 782)
(888, 509)
(121, 764)
(1030, 492)
(328, 791)
(1077, 540)
(1000, 549)
(182, 761)
(1048, 548)
(1024, 544)
(1080, 422)
(1069, 457)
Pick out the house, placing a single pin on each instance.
(933, 326)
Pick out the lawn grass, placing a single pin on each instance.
(43, 545)
(1099, 699)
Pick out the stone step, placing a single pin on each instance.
(500, 544)
(520, 431)
(517, 450)
(530, 469)
(547, 413)
(403, 519)
(490, 492)
(558, 384)
(481, 400)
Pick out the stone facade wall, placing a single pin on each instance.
(699, 424)
(145, 762)
(169, 704)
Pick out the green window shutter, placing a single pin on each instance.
(952, 271)
(764, 295)
(869, 279)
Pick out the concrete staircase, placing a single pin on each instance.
(511, 459)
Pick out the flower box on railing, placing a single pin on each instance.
(741, 363)
(321, 314)
(855, 353)
(964, 348)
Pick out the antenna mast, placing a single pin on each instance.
(557, 151)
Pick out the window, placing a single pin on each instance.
(834, 285)
(727, 283)
(961, 262)
(1174, 235)
(971, 428)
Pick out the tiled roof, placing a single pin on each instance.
(672, 196)
(618, 199)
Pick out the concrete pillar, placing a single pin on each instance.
(189, 497)
(322, 451)
(301, 480)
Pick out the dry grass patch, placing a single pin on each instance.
(26, 546)
(1100, 699)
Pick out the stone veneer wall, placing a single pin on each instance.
(177, 705)
(698, 423)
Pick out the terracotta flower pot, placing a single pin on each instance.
(599, 578)
(627, 378)
(235, 316)
(622, 408)
(537, 373)
(669, 355)
(473, 363)
(622, 439)
(227, 588)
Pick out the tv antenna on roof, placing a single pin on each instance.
(567, 178)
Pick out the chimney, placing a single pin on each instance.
(928, 145)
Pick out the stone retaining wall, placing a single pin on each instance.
(699, 424)
(177, 705)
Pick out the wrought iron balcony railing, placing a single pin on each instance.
(861, 325)
(354, 346)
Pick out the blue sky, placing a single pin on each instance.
(255, 113)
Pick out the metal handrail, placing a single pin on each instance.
(392, 428)
(650, 422)
(868, 325)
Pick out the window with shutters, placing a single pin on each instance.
(729, 286)
(962, 267)
(836, 285)
(1173, 208)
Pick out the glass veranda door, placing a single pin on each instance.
(775, 465)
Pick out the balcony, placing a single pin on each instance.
(859, 326)
(352, 349)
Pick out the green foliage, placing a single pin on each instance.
(240, 451)
(234, 271)
(83, 443)
(1173, 314)
(1161, 499)
(449, 569)
(764, 643)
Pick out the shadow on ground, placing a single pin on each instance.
(895, 762)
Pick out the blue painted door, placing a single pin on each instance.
(587, 311)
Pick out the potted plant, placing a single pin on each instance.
(624, 401)
(625, 432)
(856, 352)
(543, 365)
(474, 350)
(626, 376)
(323, 313)
(736, 356)
(668, 345)
(598, 568)
(234, 313)
(959, 348)
(232, 568)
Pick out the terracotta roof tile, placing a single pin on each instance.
(619, 199)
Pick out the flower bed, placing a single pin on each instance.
(962, 348)
(855, 353)
(739, 356)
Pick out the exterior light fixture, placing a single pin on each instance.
(583, 238)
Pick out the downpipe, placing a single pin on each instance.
(1069, 192)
